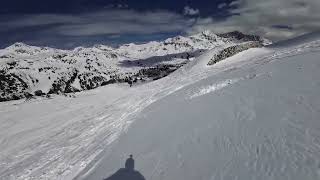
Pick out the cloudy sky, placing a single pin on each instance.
(71, 23)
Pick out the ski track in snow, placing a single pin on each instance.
(218, 86)
(69, 134)
(212, 88)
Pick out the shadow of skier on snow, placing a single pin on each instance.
(127, 173)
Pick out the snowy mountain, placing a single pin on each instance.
(254, 115)
(26, 70)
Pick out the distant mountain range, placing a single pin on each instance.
(26, 71)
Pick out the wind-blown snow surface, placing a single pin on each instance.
(252, 116)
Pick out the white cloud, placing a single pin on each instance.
(261, 17)
(190, 11)
(222, 5)
(235, 3)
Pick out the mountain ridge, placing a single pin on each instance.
(26, 69)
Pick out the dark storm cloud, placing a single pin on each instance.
(207, 7)
(107, 24)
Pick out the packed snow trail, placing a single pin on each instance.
(61, 137)
(258, 120)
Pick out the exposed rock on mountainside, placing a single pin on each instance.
(12, 86)
(232, 50)
(244, 37)
(28, 69)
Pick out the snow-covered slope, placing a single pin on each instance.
(26, 69)
(252, 116)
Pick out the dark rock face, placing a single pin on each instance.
(64, 83)
(39, 93)
(240, 36)
(157, 72)
(12, 86)
(231, 51)
(90, 81)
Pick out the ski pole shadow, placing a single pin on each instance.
(127, 173)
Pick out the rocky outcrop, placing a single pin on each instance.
(157, 72)
(231, 51)
(12, 86)
(64, 84)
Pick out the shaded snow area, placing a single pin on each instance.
(254, 115)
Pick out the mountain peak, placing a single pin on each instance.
(18, 45)
(208, 32)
